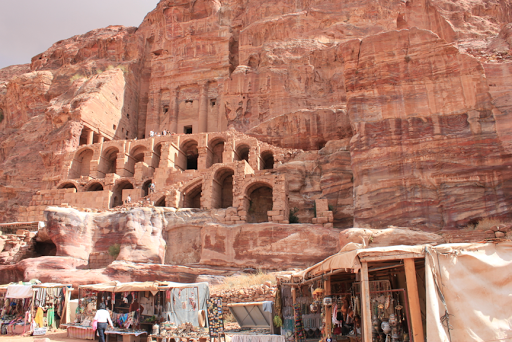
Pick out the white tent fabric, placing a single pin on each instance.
(19, 291)
(348, 258)
(476, 282)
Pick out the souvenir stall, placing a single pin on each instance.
(355, 295)
(184, 313)
(123, 301)
(158, 309)
(50, 302)
(15, 306)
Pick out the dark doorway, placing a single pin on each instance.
(192, 154)
(145, 187)
(117, 196)
(160, 202)
(95, 187)
(45, 248)
(68, 186)
(193, 197)
(260, 202)
(223, 189)
(243, 152)
(267, 160)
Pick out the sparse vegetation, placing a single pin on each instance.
(76, 77)
(246, 280)
(407, 58)
(1, 115)
(486, 223)
(293, 218)
(114, 250)
(124, 68)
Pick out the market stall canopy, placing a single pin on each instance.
(168, 285)
(349, 259)
(19, 291)
(50, 285)
(103, 287)
(137, 287)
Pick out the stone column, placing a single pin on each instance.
(159, 110)
(202, 158)
(220, 108)
(203, 107)
(175, 110)
(101, 139)
(90, 137)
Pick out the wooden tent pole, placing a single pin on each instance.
(414, 300)
(328, 309)
(365, 301)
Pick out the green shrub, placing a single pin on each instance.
(76, 77)
(293, 218)
(1, 115)
(114, 250)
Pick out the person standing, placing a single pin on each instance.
(103, 317)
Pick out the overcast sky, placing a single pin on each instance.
(29, 27)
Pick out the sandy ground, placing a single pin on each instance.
(58, 336)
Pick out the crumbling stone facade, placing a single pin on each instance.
(227, 170)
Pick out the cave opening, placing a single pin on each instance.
(46, 248)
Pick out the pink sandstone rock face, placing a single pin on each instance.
(388, 237)
(165, 236)
(401, 106)
(426, 149)
(73, 271)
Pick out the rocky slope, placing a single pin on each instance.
(417, 91)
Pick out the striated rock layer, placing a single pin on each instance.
(411, 98)
(167, 236)
(152, 243)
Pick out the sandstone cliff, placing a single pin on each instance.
(414, 93)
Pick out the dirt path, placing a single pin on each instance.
(58, 336)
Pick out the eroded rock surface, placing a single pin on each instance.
(167, 236)
(420, 88)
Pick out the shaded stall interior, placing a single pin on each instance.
(385, 298)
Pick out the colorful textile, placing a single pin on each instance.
(39, 317)
(50, 315)
(300, 334)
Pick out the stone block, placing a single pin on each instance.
(322, 205)
(328, 225)
(314, 220)
(278, 218)
(322, 220)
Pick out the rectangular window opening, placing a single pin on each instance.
(187, 129)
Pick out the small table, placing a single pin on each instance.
(128, 336)
(78, 331)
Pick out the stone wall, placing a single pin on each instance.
(16, 247)
(254, 293)
(100, 260)
(14, 228)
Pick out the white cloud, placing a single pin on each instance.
(29, 27)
